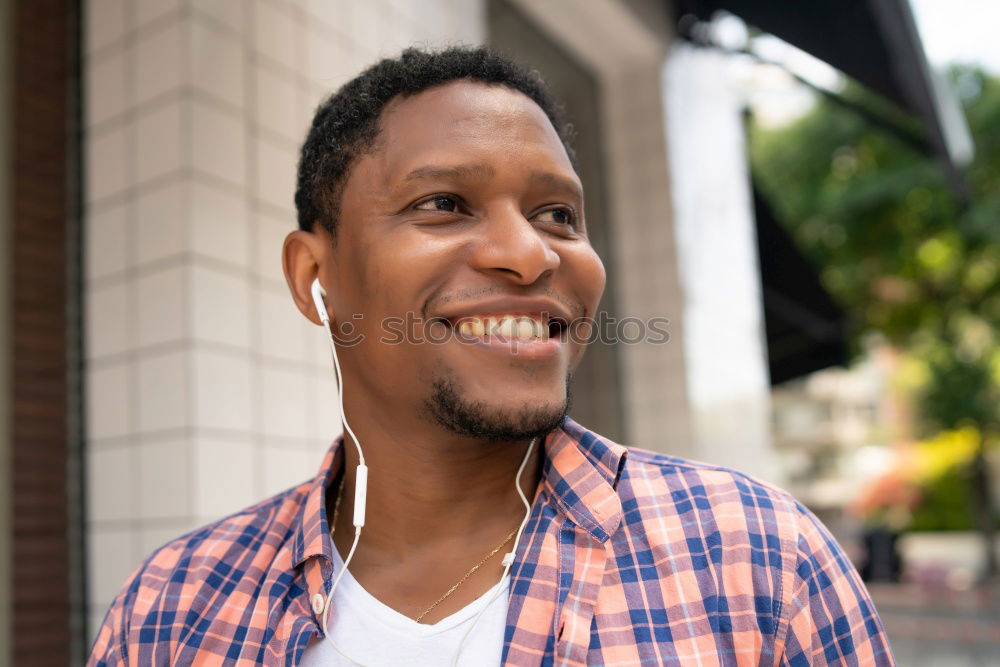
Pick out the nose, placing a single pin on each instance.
(511, 246)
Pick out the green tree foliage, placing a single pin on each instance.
(892, 242)
(900, 252)
(875, 214)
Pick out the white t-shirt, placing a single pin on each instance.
(376, 635)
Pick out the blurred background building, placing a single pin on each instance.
(157, 375)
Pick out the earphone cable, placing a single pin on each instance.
(508, 560)
(361, 479)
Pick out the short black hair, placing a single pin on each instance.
(346, 124)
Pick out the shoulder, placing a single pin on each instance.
(188, 573)
(694, 485)
(721, 516)
(270, 522)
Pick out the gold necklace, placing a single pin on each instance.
(336, 513)
(468, 574)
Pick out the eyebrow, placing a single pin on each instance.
(468, 171)
(551, 180)
(434, 172)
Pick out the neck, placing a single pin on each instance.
(430, 489)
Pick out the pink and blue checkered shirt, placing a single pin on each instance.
(628, 558)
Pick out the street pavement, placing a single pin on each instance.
(940, 627)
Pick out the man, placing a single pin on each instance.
(440, 211)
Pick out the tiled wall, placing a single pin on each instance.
(206, 388)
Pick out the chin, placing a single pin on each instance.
(518, 418)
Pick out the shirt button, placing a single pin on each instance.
(318, 603)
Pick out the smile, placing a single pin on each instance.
(512, 326)
(532, 336)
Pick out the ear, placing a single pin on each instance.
(304, 257)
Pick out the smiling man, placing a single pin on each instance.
(438, 190)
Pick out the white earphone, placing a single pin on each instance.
(361, 490)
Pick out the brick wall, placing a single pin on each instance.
(41, 239)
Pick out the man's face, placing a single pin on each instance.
(467, 220)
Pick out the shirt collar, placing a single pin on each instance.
(310, 528)
(580, 472)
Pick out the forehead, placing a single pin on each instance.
(465, 120)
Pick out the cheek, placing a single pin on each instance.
(588, 277)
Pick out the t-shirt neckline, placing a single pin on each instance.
(352, 593)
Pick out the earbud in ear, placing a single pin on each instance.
(317, 294)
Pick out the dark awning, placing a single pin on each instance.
(806, 330)
(874, 42)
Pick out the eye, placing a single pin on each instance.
(562, 216)
(444, 203)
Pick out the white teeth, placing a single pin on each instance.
(525, 329)
(507, 326)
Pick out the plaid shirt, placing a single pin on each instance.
(628, 557)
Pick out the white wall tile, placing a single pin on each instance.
(280, 331)
(107, 163)
(217, 62)
(217, 143)
(469, 21)
(283, 398)
(160, 60)
(232, 14)
(271, 233)
(331, 14)
(222, 386)
(406, 9)
(96, 613)
(105, 236)
(276, 103)
(276, 169)
(159, 141)
(365, 21)
(105, 23)
(285, 467)
(325, 60)
(108, 401)
(152, 535)
(146, 11)
(111, 559)
(161, 222)
(220, 224)
(215, 461)
(397, 32)
(161, 306)
(108, 320)
(274, 34)
(163, 391)
(164, 474)
(111, 488)
(220, 307)
(105, 87)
